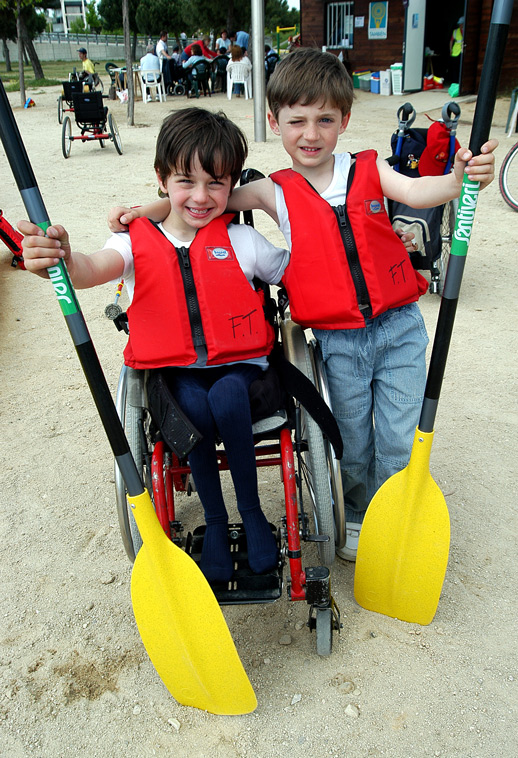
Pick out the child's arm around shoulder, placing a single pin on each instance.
(41, 251)
(258, 195)
(119, 217)
(428, 191)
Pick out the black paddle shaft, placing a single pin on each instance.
(486, 98)
(27, 185)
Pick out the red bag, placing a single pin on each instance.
(13, 240)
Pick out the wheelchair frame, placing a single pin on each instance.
(298, 447)
(92, 118)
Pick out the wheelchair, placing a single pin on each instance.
(65, 101)
(94, 121)
(289, 439)
(298, 437)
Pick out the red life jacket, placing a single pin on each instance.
(192, 306)
(347, 265)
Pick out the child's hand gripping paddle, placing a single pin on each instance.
(404, 540)
(179, 619)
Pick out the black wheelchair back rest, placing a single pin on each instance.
(70, 89)
(89, 108)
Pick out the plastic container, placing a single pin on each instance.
(385, 82)
(356, 77)
(365, 82)
(396, 71)
(375, 83)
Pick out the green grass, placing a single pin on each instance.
(55, 72)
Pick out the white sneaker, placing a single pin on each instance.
(352, 535)
(148, 99)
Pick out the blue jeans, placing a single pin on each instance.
(377, 378)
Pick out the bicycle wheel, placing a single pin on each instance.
(508, 179)
(60, 109)
(133, 418)
(114, 133)
(66, 137)
(315, 471)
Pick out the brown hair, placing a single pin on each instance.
(196, 49)
(237, 52)
(307, 76)
(217, 142)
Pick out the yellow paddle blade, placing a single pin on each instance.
(181, 624)
(404, 542)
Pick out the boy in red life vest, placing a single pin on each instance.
(190, 279)
(349, 277)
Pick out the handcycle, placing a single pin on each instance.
(94, 121)
(299, 437)
(433, 227)
(65, 101)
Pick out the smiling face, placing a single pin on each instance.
(309, 133)
(196, 198)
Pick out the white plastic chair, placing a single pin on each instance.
(238, 73)
(153, 78)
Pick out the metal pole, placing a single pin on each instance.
(258, 73)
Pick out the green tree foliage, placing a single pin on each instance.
(110, 12)
(93, 19)
(154, 15)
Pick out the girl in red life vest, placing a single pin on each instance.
(195, 314)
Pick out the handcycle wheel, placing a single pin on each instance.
(66, 137)
(333, 464)
(324, 631)
(102, 143)
(508, 178)
(60, 109)
(314, 459)
(131, 412)
(114, 133)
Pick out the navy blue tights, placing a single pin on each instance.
(216, 401)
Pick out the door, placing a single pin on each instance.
(413, 46)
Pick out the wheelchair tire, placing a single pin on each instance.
(333, 464)
(60, 109)
(102, 143)
(114, 133)
(441, 263)
(179, 89)
(324, 631)
(315, 468)
(66, 137)
(130, 416)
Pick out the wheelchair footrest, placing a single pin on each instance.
(245, 587)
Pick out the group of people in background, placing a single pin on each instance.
(231, 48)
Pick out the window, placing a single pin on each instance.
(340, 24)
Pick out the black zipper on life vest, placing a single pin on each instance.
(193, 305)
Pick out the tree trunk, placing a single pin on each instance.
(20, 52)
(134, 47)
(129, 61)
(7, 56)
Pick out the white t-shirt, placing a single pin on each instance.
(161, 48)
(256, 256)
(334, 194)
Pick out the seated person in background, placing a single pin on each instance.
(87, 74)
(238, 56)
(220, 69)
(271, 59)
(196, 55)
(199, 158)
(149, 62)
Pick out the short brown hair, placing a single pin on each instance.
(217, 142)
(196, 49)
(308, 75)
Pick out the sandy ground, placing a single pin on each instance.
(75, 678)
